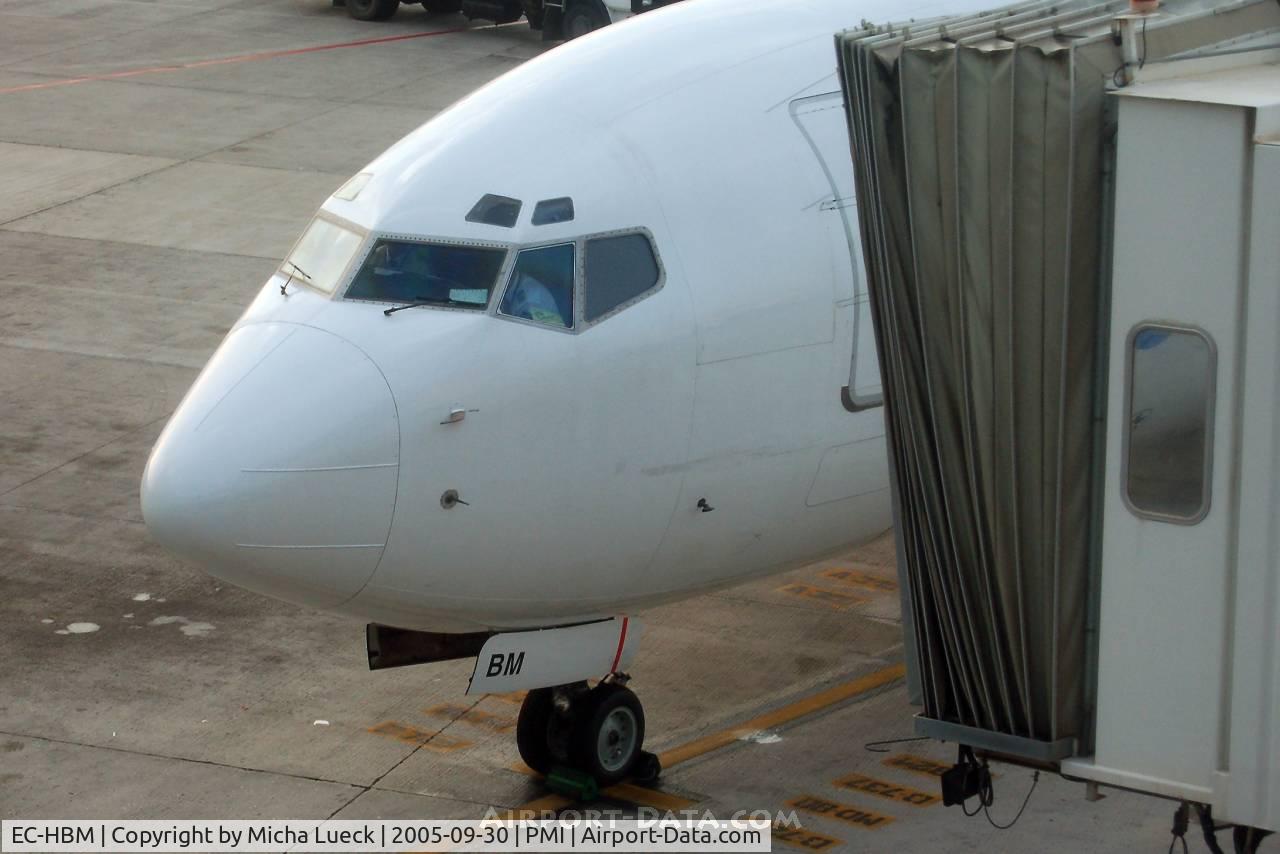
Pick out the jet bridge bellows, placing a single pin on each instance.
(982, 152)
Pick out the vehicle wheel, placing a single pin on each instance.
(583, 16)
(609, 733)
(511, 11)
(442, 7)
(533, 730)
(534, 12)
(647, 768)
(372, 10)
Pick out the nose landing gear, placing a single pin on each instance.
(597, 732)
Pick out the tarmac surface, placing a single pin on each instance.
(157, 158)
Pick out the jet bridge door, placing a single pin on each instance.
(821, 120)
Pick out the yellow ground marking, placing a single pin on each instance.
(921, 765)
(706, 744)
(786, 714)
(431, 740)
(537, 808)
(475, 717)
(862, 579)
(882, 789)
(916, 764)
(837, 599)
(632, 793)
(860, 818)
(805, 839)
(515, 698)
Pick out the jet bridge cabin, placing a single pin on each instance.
(1071, 216)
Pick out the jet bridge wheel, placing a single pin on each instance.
(372, 10)
(583, 16)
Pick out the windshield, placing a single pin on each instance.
(431, 273)
(322, 254)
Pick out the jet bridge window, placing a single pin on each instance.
(322, 254)
(441, 274)
(1168, 453)
(617, 270)
(541, 286)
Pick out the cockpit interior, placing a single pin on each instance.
(568, 285)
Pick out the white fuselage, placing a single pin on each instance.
(309, 460)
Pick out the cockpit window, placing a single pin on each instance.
(617, 270)
(550, 211)
(322, 254)
(541, 286)
(430, 273)
(495, 210)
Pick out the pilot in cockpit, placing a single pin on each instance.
(541, 286)
(531, 299)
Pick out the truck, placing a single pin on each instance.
(556, 19)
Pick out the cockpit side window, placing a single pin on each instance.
(617, 270)
(322, 254)
(442, 274)
(541, 286)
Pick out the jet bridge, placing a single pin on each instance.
(1069, 214)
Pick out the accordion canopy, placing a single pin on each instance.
(980, 147)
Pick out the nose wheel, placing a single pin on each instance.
(596, 731)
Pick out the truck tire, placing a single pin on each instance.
(372, 10)
(583, 16)
(534, 12)
(442, 7)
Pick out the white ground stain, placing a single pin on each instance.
(761, 736)
(128, 616)
(190, 628)
(76, 628)
(319, 723)
(46, 621)
(142, 597)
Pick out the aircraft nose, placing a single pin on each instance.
(278, 470)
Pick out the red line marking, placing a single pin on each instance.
(622, 641)
(247, 57)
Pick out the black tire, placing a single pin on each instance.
(535, 12)
(608, 735)
(511, 12)
(372, 10)
(583, 16)
(442, 7)
(647, 768)
(533, 730)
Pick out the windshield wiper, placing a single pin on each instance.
(295, 269)
(421, 301)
